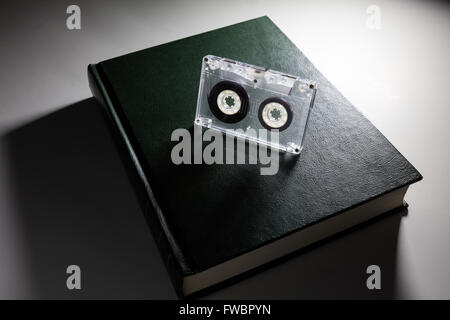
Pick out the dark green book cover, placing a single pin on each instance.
(213, 222)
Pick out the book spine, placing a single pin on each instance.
(170, 252)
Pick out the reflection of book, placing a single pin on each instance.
(213, 222)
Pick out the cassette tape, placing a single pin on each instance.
(240, 99)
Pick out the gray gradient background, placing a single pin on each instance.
(65, 197)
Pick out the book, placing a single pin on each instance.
(215, 222)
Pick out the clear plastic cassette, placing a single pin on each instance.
(252, 103)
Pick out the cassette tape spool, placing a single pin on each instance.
(275, 113)
(235, 97)
(228, 101)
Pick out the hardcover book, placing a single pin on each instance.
(214, 222)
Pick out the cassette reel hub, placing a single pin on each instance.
(229, 102)
(275, 113)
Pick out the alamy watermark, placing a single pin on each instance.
(73, 21)
(373, 282)
(74, 279)
(373, 21)
(189, 149)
